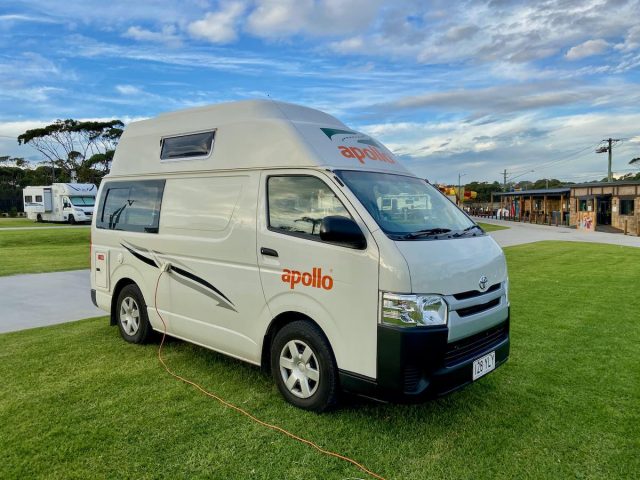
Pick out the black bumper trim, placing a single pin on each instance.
(412, 364)
(93, 298)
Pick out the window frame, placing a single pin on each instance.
(214, 131)
(101, 204)
(308, 236)
(632, 212)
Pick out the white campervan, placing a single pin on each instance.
(275, 234)
(60, 202)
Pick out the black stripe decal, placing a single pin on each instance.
(201, 281)
(142, 258)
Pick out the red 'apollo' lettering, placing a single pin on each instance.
(314, 279)
(372, 153)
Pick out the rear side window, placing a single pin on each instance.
(27, 198)
(131, 206)
(38, 198)
(187, 146)
(298, 203)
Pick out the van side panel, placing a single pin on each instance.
(212, 295)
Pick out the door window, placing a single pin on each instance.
(298, 203)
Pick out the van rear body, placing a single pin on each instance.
(293, 242)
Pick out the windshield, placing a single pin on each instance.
(406, 207)
(83, 201)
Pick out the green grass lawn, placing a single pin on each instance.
(48, 250)
(489, 227)
(78, 402)
(25, 222)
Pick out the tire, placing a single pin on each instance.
(317, 391)
(72, 220)
(39, 218)
(131, 315)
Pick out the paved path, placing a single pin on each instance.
(41, 299)
(57, 227)
(519, 233)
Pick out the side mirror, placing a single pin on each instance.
(343, 231)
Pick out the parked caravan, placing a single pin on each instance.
(277, 235)
(60, 202)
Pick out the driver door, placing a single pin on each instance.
(334, 285)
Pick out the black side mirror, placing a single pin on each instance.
(343, 231)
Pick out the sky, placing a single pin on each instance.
(453, 88)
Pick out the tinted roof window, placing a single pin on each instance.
(187, 146)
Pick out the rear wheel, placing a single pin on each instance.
(72, 220)
(303, 367)
(133, 320)
(39, 218)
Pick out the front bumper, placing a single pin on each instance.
(417, 363)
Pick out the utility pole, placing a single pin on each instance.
(504, 183)
(460, 175)
(609, 149)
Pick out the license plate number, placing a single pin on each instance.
(484, 365)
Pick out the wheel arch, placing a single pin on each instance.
(276, 325)
(123, 282)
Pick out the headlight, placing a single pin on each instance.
(413, 310)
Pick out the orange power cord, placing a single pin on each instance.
(242, 411)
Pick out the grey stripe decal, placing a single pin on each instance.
(186, 278)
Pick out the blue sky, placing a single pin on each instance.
(453, 87)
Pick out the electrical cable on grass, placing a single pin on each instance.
(240, 410)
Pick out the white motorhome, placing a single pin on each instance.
(269, 232)
(60, 202)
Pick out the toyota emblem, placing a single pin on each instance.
(482, 283)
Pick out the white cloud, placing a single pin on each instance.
(221, 26)
(587, 49)
(283, 18)
(25, 18)
(167, 35)
(128, 90)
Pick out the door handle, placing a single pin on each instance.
(269, 252)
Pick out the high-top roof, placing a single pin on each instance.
(251, 134)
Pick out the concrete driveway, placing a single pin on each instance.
(40, 299)
(519, 233)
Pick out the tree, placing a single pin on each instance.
(74, 146)
(483, 189)
(17, 161)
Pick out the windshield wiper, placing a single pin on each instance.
(467, 230)
(426, 233)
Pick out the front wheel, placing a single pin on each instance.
(133, 320)
(304, 368)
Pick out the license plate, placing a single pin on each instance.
(484, 365)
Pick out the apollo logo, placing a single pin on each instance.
(314, 279)
(370, 149)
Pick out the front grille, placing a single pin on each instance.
(475, 344)
(475, 293)
(465, 312)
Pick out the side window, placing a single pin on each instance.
(27, 198)
(297, 204)
(187, 146)
(131, 206)
(38, 198)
